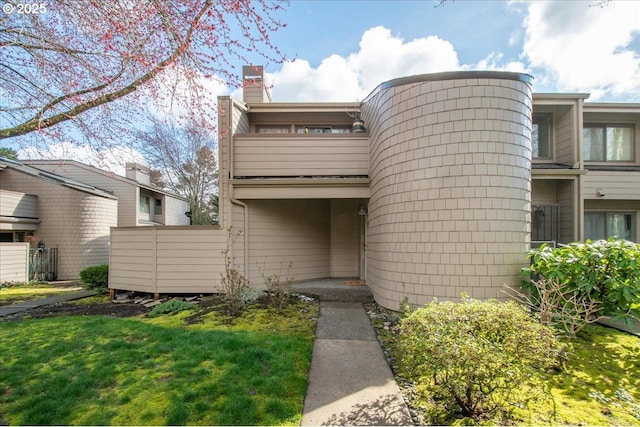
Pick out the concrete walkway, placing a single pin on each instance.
(350, 382)
(24, 306)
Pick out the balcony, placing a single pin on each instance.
(300, 155)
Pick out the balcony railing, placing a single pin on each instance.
(294, 155)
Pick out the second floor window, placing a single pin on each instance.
(145, 205)
(608, 143)
(541, 136)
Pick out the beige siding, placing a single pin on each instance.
(300, 155)
(225, 131)
(190, 260)
(132, 259)
(450, 188)
(284, 231)
(75, 222)
(565, 139)
(123, 190)
(167, 259)
(566, 195)
(615, 185)
(543, 192)
(174, 210)
(18, 205)
(345, 237)
(14, 262)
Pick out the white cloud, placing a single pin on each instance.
(585, 49)
(381, 57)
(110, 159)
(494, 61)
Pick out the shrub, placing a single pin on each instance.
(96, 277)
(474, 358)
(171, 306)
(607, 272)
(234, 284)
(560, 306)
(278, 288)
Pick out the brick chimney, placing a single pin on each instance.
(254, 89)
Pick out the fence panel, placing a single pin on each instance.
(166, 259)
(14, 262)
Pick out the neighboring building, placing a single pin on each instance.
(434, 185)
(139, 203)
(586, 169)
(54, 212)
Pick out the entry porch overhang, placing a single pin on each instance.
(301, 188)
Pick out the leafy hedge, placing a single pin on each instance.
(96, 277)
(474, 358)
(604, 271)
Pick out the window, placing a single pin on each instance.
(145, 204)
(541, 136)
(273, 128)
(157, 210)
(602, 225)
(323, 129)
(608, 143)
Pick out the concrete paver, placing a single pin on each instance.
(350, 382)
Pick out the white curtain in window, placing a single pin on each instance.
(619, 143)
(595, 226)
(620, 226)
(593, 140)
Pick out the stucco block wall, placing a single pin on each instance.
(450, 188)
(75, 222)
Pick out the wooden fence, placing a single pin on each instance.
(14, 262)
(166, 259)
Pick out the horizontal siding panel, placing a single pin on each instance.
(14, 262)
(613, 184)
(296, 155)
(20, 205)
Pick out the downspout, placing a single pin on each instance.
(234, 200)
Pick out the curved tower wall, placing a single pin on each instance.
(450, 171)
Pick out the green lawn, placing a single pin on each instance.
(96, 370)
(25, 292)
(599, 383)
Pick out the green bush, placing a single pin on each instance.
(96, 277)
(171, 306)
(607, 272)
(473, 359)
